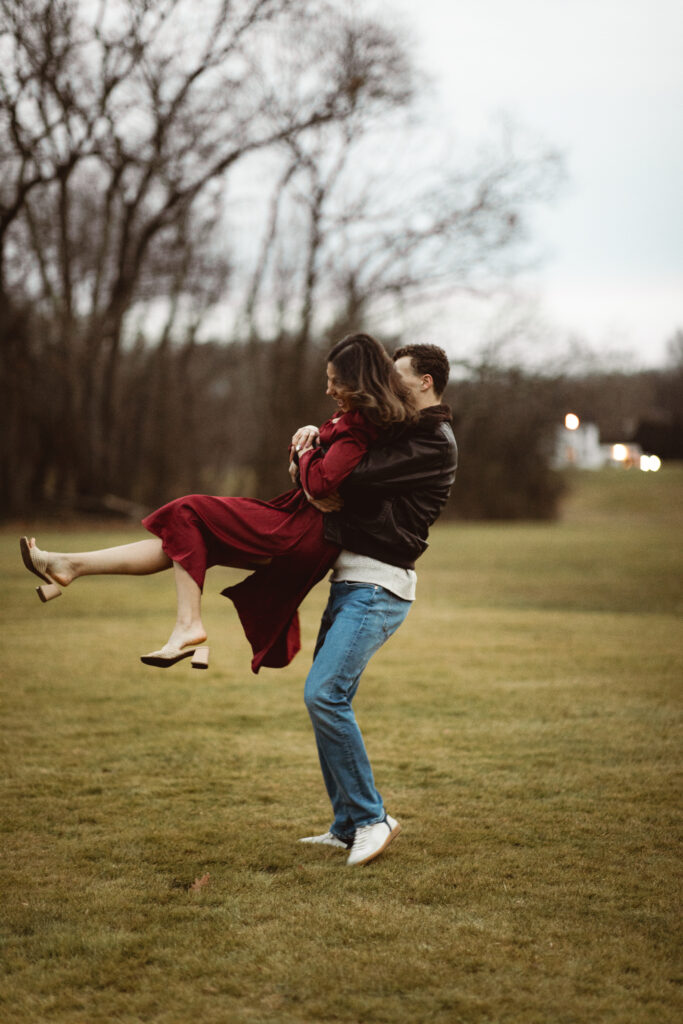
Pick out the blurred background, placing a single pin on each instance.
(196, 201)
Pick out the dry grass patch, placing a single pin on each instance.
(523, 727)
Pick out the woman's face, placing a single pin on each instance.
(342, 402)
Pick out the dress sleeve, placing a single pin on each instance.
(321, 471)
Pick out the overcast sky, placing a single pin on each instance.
(602, 80)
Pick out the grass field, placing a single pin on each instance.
(523, 725)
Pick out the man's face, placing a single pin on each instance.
(412, 380)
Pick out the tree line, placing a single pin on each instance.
(196, 201)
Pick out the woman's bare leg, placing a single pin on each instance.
(141, 558)
(188, 628)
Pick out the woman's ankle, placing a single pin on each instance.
(59, 568)
(192, 633)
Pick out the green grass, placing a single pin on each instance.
(523, 726)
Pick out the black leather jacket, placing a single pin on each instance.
(397, 491)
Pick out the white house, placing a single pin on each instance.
(578, 444)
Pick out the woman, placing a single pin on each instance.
(283, 539)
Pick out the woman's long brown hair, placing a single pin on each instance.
(366, 377)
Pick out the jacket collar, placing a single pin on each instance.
(433, 415)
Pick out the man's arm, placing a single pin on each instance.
(410, 462)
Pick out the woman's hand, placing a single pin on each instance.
(305, 440)
(305, 437)
(332, 503)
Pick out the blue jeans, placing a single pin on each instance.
(358, 619)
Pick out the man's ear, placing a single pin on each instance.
(427, 382)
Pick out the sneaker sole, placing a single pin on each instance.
(328, 846)
(392, 835)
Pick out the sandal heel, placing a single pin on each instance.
(200, 658)
(48, 591)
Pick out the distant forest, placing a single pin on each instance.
(192, 420)
(262, 172)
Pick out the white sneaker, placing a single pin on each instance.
(370, 840)
(327, 839)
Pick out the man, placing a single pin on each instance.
(389, 502)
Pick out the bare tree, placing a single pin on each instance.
(128, 129)
(120, 121)
(360, 224)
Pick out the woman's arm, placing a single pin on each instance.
(304, 437)
(322, 470)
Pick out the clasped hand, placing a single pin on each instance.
(302, 441)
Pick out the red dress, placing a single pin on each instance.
(199, 531)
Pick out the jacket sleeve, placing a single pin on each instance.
(322, 471)
(411, 462)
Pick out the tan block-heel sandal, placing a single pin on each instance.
(35, 561)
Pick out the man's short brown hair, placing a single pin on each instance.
(427, 359)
